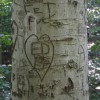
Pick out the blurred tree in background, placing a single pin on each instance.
(93, 17)
(5, 22)
(5, 42)
(5, 32)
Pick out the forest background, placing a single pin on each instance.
(93, 27)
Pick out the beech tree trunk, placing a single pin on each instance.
(50, 50)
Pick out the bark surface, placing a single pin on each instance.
(50, 50)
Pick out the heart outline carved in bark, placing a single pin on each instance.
(41, 55)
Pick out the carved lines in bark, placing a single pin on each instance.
(73, 2)
(69, 88)
(50, 14)
(20, 86)
(81, 51)
(22, 6)
(14, 27)
(15, 33)
(37, 10)
(47, 90)
(30, 23)
(42, 52)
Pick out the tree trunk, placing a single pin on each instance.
(50, 50)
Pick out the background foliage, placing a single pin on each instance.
(5, 22)
(93, 16)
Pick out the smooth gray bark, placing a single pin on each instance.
(50, 50)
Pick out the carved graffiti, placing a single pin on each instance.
(20, 84)
(32, 74)
(18, 3)
(50, 12)
(47, 89)
(20, 14)
(14, 27)
(15, 33)
(47, 14)
(30, 22)
(56, 23)
(81, 52)
(71, 64)
(41, 52)
(22, 6)
(13, 76)
(37, 10)
(75, 3)
(68, 89)
(32, 1)
(32, 89)
(16, 94)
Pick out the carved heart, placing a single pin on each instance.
(39, 53)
